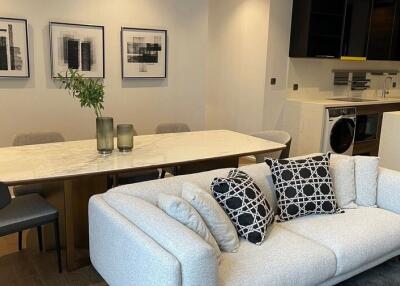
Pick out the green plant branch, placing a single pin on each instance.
(90, 92)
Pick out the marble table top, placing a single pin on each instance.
(32, 163)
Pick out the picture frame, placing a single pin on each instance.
(143, 53)
(14, 48)
(78, 47)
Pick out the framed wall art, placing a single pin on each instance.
(143, 53)
(14, 53)
(78, 47)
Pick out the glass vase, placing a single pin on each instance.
(125, 137)
(105, 134)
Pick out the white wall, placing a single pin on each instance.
(237, 64)
(37, 104)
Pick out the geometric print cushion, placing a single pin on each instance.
(245, 205)
(303, 187)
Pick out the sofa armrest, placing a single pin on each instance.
(388, 196)
(125, 255)
(198, 262)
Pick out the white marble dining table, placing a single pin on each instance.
(84, 171)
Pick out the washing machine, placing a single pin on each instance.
(339, 131)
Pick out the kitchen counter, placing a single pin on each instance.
(329, 102)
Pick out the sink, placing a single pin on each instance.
(352, 99)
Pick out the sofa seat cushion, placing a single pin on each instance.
(357, 237)
(284, 258)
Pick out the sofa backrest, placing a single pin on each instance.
(149, 191)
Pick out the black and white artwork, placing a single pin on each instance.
(78, 47)
(14, 55)
(144, 53)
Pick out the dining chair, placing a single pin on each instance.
(35, 138)
(278, 136)
(133, 177)
(173, 127)
(25, 212)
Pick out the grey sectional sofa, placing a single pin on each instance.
(132, 242)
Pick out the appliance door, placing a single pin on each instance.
(367, 127)
(342, 135)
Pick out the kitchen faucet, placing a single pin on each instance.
(386, 88)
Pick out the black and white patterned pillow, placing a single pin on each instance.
(245, 204)
(303, 187)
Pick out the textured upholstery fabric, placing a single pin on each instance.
(124, 254)
(388, 196)
(366, 174)
(216, 219)
(342, 171)
(198, 262)
(149, 191)
(284, 258)
(26, 212)
(357, 236)
(180, 210)
(175, 127)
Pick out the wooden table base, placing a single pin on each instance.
(77, 193)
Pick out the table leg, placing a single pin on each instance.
(77, 193)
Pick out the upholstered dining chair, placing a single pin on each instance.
(136, 176)
(34, 139)
(25, 212)
(278, 136)
(175, 127)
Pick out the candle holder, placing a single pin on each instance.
(125, 137)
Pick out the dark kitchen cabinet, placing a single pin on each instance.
(382, 38)
(356, 28)
(317, 28)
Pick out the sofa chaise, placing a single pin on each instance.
(132, 242)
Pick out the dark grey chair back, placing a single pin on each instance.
(172, 128)
(5, 197)
(37, 138)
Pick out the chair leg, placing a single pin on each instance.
(20, 240)
(163, 172)
(40, 240)
(57, 239)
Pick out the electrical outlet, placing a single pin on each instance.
(296, 86)
(394, 84)
(273, 81)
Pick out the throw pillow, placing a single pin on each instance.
(245, 204)
(182, 211)
(303, 187)
(214, 216)
(366, 170)
(342, 172)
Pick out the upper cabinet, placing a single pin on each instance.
(356, 28)
(317, 28)
(381, 29)
(347, 29)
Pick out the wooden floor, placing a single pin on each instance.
(33, 268)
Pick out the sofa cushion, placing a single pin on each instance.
(341, 168)
(214, 216)
(366, 171)
(245, 204)
(284, 258)
(357, 237)
(182, 211)
(303, 187)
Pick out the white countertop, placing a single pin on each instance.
(43, 162)
(329, 102)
